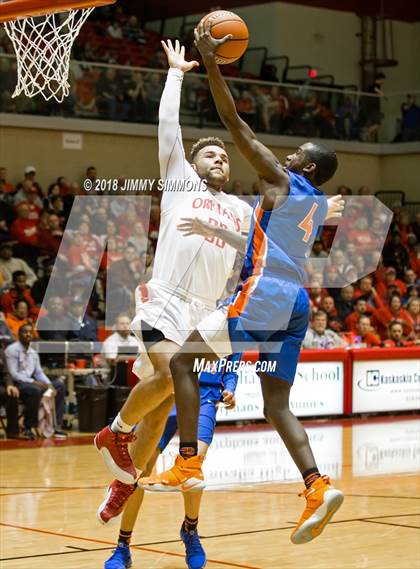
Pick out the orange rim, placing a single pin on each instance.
(14, 9)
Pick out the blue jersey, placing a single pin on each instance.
(280, 240)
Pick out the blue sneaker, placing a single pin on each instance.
(120, 558)
(195, 556)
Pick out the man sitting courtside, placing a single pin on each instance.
(121, 338)
(319, 336)
(25, 368)
(116, 349)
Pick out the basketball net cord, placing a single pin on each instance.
(43, 45)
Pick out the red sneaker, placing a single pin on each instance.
(113, 505)
(113, 447)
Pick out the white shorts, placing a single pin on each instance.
(171, 311)
(214, 331)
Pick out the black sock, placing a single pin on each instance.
(187, 450)
(310, 475)
(125, 536)
(190, 524)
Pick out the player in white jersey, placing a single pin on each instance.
(189, 276)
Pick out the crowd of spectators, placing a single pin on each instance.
(104, 238)
(111, 36)
(103, 247)
(377, 303)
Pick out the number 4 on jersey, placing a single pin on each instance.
(307, 223)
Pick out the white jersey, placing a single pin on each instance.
(191, 266)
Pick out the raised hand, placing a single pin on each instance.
(206, 44)
(176, 56)
(335, 206)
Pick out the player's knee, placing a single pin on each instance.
(273, 412)
(164, 382)
(179, 363)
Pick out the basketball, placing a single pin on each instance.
(222, 24)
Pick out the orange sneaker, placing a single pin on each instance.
(322, 501)
(185, 476)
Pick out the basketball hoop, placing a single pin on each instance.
(43, 33)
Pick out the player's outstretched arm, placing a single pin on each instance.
(171, 150)
(261, 158)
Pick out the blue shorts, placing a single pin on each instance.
(206, 423)
(270, 315)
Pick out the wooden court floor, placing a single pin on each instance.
(50, 493)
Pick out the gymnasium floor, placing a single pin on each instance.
(50, 493)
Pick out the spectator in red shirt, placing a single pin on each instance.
(80, 256)
(316, 294)
(396, 340)
(380, 269)
(366, 334)
(382, 317)
(390, 280)
(360, 308)
(49, 243)
(368, 292)
(362, 237)
(34, 206)
(24, 229)
(7, 186)
(328, 306)
(19, 291)
(63, 184)
(413, 309)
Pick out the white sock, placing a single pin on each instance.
(118, 425)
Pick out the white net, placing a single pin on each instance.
(43, 45)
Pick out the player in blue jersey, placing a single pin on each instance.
(270, 310)
(215, 387)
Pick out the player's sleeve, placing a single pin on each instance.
(230, 379)
(246, 224)
(172, 161)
